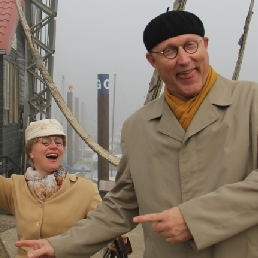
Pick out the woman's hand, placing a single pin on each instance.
(42, 248)
(112, 246)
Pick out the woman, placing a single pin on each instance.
(46, 200)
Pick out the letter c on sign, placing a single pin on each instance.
(106, 84)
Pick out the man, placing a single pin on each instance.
(189, 160)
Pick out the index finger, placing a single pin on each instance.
(37, 253)
(29, 243)
(154, 217)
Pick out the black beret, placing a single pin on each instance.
(171, 24)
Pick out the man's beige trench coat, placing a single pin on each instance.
(208, 171)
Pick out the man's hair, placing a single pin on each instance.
(171, 24)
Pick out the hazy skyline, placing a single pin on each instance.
(106, 37)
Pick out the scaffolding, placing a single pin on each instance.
(40, 16)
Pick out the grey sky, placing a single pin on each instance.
(106, 37)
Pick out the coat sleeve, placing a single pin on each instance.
(221, 214)
(6, 200)
(95, 198)
(113, 217)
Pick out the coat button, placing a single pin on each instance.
(37, 224)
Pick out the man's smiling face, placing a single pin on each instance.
(186, 74)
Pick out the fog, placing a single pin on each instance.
(94, 37)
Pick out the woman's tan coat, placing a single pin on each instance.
(36, 219)
(208, 171)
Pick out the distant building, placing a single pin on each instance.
(12, 80)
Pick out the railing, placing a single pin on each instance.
(5, 164)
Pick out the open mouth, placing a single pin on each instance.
(52, 156)
(185, 72)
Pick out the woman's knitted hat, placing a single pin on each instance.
(44, 127)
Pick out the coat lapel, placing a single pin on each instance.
(207, 114)
(65, 186)
(168, 123)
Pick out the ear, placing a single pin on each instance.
(151, 60)
(206, 42)
(31, 155)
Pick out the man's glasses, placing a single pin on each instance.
(47, 141)
(189, 47)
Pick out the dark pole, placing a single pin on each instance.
(103, 124)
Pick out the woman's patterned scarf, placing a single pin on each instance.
(45, 186)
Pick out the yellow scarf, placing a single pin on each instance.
(185, 111)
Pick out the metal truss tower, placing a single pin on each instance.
(40, 16)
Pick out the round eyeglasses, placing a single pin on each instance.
(171, 52)
(47, 141)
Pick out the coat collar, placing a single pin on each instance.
(65, 186)
(220, 95)
(72, 177)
